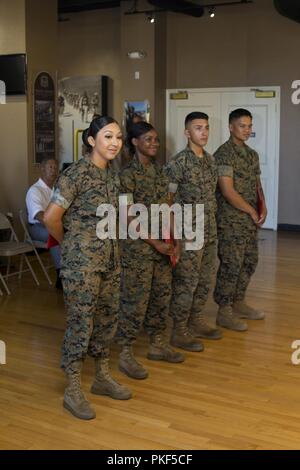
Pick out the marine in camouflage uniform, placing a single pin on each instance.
(196, 180)
(146, 275)
(237, 234)
(90, 270)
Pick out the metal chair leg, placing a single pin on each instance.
(5, 285)
(43, 267)
(8, 266)
(32, 271)
(21, 267)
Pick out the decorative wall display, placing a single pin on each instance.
(79, 99)
(44, 116)
(135, 111)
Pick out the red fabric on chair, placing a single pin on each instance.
(51, 242)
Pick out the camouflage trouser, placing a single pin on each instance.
(145, 297)
(191, 282)
(238, 260)
(92, 301)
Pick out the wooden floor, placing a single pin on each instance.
(242, 392)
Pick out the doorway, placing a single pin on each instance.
(264, 105)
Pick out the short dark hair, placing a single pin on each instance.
(238, 113)
(47, 158)
(195, 115)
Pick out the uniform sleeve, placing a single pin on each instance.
(174, 172)
(257, 169)
(224, 164)
(65, 192)
(127, 186)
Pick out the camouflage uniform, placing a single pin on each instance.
(90, 266)
(146, 274)
(196, 179)
(237, 233)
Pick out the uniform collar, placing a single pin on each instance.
(95, 169)
(238, 148)
(193, 155)
(139, 166)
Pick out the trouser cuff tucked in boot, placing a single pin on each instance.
(130, 366)
(182, 338)
(228, 319)
(200, 329)
(74, 399)
(160, 350)
(104, 384)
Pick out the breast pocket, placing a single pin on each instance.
(192, 187)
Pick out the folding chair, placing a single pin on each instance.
(34, 243)
(13, 248)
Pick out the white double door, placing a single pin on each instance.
(218, 103)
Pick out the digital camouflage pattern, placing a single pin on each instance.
(147, 185)
(80, 189)
(242, 164)
(237, 233)
(238, 257)
(196, 179)
(92, 301)
(146, 274)
(145, 297)
(191, 282)
(90, 266)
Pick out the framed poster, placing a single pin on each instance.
(44, 116)
(79, 99)
(135, 111)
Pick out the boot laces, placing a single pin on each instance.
(103, 371)
(160, 341)
(76, 391)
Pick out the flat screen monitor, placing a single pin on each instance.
(13, 73)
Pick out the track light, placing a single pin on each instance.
(211, 12)
(151, 18)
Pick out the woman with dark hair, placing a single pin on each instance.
(90, 265)
(146, 271)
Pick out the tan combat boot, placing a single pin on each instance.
(104, 384)
(182, 338)
(228, 319)
(244, 311)
(74, 399)
(200, 329)
(160, 350)
(129, 365)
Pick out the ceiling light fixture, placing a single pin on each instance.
(211, 12)
(151, 17)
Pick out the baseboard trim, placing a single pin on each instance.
(289, 227)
